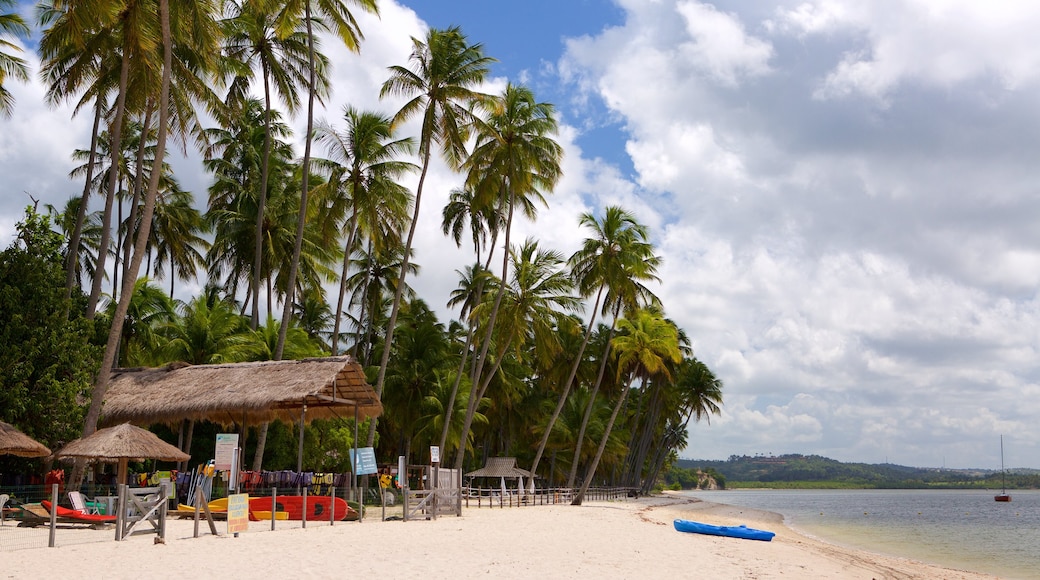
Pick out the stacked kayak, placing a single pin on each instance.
(743, 532)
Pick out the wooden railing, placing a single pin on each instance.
(494, 497)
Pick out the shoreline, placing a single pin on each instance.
(619, 539)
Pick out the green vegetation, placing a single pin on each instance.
(569, 363)
(815, 472)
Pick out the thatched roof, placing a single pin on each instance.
(122, 442)
(500, 467)
(14, 442)
(232, 393)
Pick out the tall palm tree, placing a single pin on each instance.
(11, 23)
(253, 42)
(338, 17)
(697, 395)
(234, 156)
(645, 347)
(440, 86)
(515, 159)
(365, 170)
(617, 252)
(196, 29)
(74, 56)
(534, 305)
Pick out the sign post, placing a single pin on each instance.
(435, 464)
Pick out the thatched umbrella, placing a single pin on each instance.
(121, 444)
(14, 442)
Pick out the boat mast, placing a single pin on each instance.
(1003, 474)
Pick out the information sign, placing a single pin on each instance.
(365, 461)
(227, 443)
(238, 513)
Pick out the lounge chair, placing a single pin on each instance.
(74, 516)
(81, 504)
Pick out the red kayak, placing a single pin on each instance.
(64, 512)
(317, 508)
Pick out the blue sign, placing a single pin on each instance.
(365, 461)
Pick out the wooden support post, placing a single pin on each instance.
(54, 515)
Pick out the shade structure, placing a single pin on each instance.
(14, 442)
(500, 467)
(120, 444)
(241, 392)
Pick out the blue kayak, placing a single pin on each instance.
(728, 531)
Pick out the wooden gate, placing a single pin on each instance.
(140, 505)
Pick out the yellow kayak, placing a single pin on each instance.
(217, 505)
(266, 515)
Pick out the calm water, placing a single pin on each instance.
(957, 529)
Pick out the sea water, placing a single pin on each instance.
(964, 530)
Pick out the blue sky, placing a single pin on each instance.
(844, 195)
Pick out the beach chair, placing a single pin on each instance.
(81, 504)
(3, 501)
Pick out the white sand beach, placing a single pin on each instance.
(619, 539)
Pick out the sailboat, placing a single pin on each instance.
(1003, 495)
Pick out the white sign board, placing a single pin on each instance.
(435, 454)
(227, 444)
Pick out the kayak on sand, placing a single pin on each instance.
(743, 532)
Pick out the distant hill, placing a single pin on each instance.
(821, 472)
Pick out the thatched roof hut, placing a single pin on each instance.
(14, 442)
(500, 467)
(120, 444)
(241, 392)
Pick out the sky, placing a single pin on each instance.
(843, 195)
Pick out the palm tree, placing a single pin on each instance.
(364, 183)
(514, 159)
(252, 41)
(377, 274)
(420, 352)
(10, 65)
(197, 31)
(340, 20)
(207, 332)
(645, 346)
(696, 395)
(533, 307)
(150, 309)
(440, 87)
(234, 156)
(90, 232)
(624, 270)
(176, 237)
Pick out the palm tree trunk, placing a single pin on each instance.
(474, 396)
(258, 235)
(343, 283)
(131, 227)
(301, 221)
(470, 332)
(115, 134)
(116, 330)
(592, 401)
(398, 292)
(591, 474)
(72, 260)
(566, 389)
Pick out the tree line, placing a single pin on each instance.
(567, 362)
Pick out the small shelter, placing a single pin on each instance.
(14, 442)
(244, 393)
(120, 444)
(502, 468)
